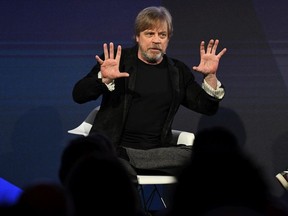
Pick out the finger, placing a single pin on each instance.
(202, 48)
(210, 46)
(111, 50)
(99, 60)
(221, 53)
(105, 49)
(197, 68)
(215, 45)
(123, 74)
(118, 54)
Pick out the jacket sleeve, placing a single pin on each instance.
(195, 97)
(89, 87)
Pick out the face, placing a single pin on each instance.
(153, 44)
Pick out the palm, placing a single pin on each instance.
(209, 61)
(110, 68)
(110, 64)
(208, 64)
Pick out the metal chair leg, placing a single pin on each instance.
(147, 202)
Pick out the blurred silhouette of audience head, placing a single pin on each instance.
(95, 179)
(100, 183)
(221, 174)
(42, 199)
(80, 147)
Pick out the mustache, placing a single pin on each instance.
(155, 47)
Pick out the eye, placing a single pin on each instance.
(149, 34)
(163, 35)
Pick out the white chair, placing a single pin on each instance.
(183, 137)
(85, 127)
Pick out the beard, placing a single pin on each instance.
(152, 58)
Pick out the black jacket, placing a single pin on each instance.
(115, 104)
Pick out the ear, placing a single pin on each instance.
(137, 39)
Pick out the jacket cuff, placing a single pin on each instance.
(217, 93)
(110, 86)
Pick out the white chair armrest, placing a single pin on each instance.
(82, 129)
(85, 127)
(184, 137)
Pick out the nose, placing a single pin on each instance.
(156, 39)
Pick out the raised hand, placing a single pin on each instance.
(110, 65)
(209, 61)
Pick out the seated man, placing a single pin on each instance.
(142, 89)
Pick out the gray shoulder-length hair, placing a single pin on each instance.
(152, 16)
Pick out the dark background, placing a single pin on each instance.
(46, 46)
